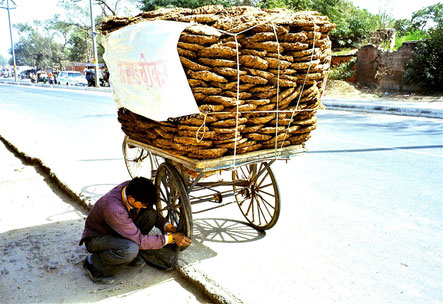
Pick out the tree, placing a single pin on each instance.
(149, 5)
(108, 7)
(432, 14)
(352, 23)
(425, 68)
(3, 60)
(36, 46)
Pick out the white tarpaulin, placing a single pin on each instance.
(146, 74)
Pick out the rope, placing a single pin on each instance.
(277, 111)
(302, 88)
(278, 88)
(204, 129)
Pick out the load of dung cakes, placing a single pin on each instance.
(257, 76)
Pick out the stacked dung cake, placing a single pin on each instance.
(257, 76)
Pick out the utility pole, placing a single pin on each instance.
(10, 33)
(94, 45)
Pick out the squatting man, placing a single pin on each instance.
(117, 228)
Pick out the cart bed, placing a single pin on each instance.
(224, 162)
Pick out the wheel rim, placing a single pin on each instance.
(173, 201)
(139, 162)
(260, 202)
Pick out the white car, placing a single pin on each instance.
(72, 78)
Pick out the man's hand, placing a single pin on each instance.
(181, 240)
(170, 228)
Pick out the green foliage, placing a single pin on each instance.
(425, 69)
(36, 47)
(343, 71)
(353, 24)
(428, 15)
(403, 27)
(410, 36)
(149, 5)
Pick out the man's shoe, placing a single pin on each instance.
(138, 262)
(96, 275)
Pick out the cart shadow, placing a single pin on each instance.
(225, 231)
(217, 230)
(377, 149)
(94, 192)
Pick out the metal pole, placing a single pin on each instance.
(10, 33)
(94, 45)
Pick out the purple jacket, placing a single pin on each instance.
(109, 214)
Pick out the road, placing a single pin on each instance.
(361, 216)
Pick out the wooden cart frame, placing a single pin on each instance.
(178, 179)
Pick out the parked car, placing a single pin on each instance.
(72, 78)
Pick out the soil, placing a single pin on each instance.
(40, 260)
(348, 90)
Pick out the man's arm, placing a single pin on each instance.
(122, 224)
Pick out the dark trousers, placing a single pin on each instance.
(111, 252)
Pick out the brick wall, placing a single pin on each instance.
(384, 69)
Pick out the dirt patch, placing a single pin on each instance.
(347, 90)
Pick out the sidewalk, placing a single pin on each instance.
(406, 108)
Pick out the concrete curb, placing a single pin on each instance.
(61, 87)
(213, 290)
(395, 108)
(44, 168)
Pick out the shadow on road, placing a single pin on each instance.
(225, 231)
(379, 149)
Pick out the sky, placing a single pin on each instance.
(29, 10)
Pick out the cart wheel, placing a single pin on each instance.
(260, 201)
(139, 162)
(173, 202)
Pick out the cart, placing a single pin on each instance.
(178, 179)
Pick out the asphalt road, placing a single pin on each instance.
(361, 213)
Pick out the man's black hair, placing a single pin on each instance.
(142, 190)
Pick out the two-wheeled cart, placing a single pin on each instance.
(179, 181)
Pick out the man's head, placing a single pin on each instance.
(142, 190)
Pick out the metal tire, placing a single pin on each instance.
(173, 201)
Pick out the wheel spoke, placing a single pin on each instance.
(265, 204)
(260, 190)
(250, 207)
(258, 174)
(173, 217)
(244, 175)
(163, 197)
(263, 179)
(258, 210)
